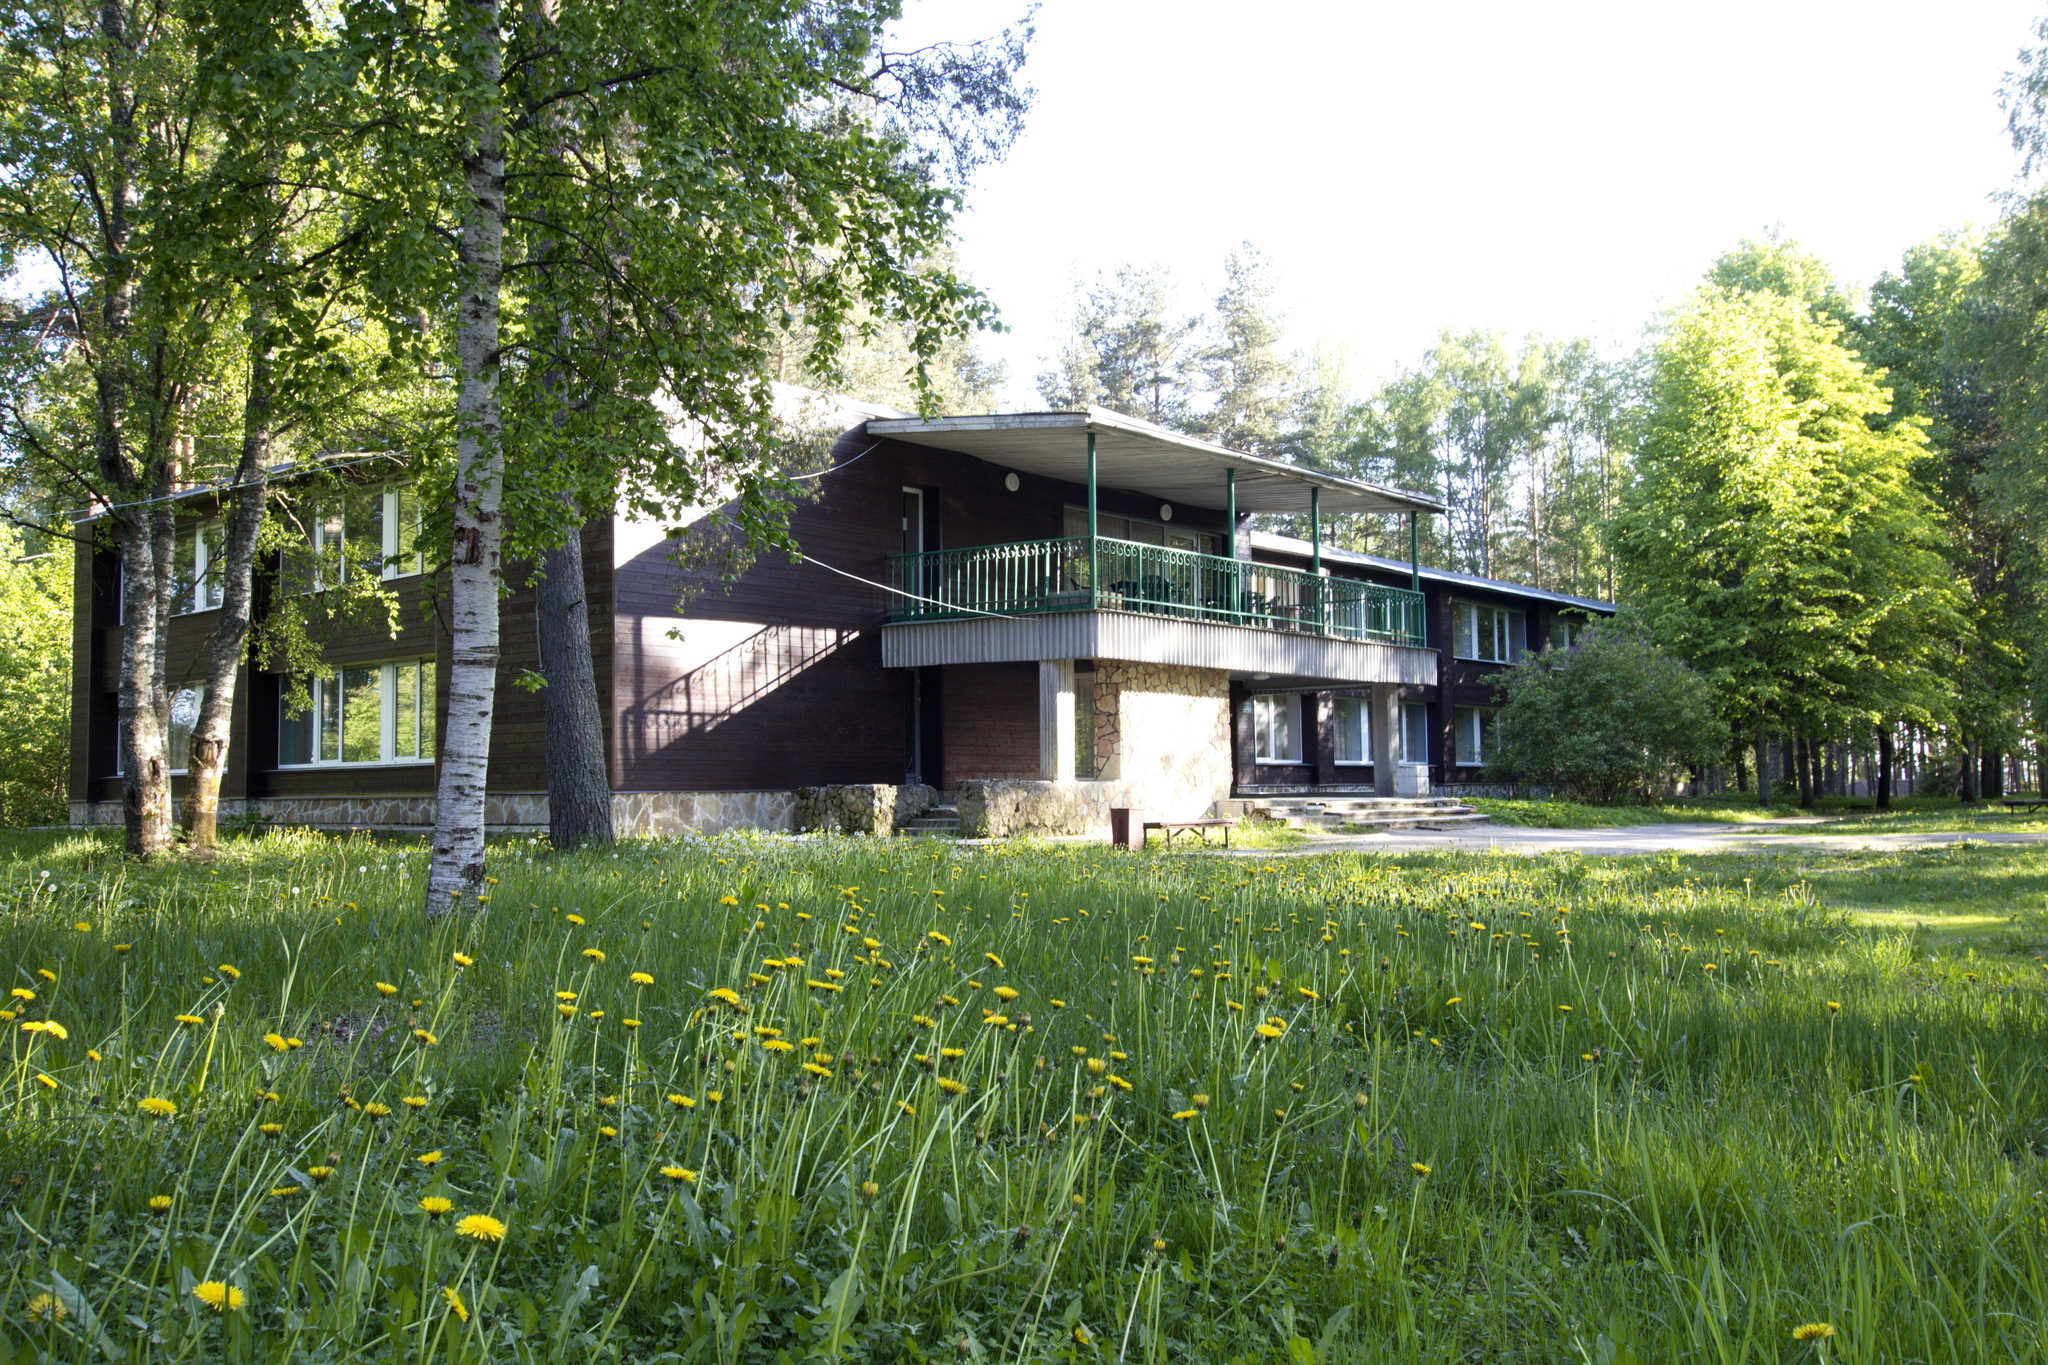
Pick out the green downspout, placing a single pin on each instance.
(1094, 591)
(1315, 548)
(1230, 538)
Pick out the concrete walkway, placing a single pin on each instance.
(1622, 840)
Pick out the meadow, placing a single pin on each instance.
(767, 1099)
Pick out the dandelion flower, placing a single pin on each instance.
(435, 1205)
(320, 1172)
(642, 978)
(481, 1227)
(462, 959)
(777, 1045)
(159, 1203)
(1269, 1031)
(21, 993)
(414, 1101)
(682, 1175)
(455, 1303)
(425, 1037)
(1834, 1006)
(940, 939)
(951, 1086)
(1813, 1331)
(48, 1027)
(1186, 1114)
(870, 1191)
(270, 1130)
(386, 988)
(822, 1072)
(376, 1110)
(190, 1020)
(230, 971)
(993, 960)
(682, 1101)
(157, 1109)
(1420, 1168)
(276, 1042)
(594, 954)
(726, 995)
(433, 1158)
(47, 1308)
(46, 1082)
(219, 1296)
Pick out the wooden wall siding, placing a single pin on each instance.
(778, 681)
(360, 639)
(991, 722)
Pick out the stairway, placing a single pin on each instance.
(943, 818)
(1333, 814)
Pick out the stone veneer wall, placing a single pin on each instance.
(860, 808)
(1162, 746)
(633, 813)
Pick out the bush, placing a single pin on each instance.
(35, 681)
(1610, 717)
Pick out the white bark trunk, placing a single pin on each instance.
(142, 706)
(456, 872)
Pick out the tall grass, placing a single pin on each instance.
(1344, 1108)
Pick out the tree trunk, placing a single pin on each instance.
(1763, 765)
(208, 759)
(1991, 779)
(1966, 780)
(456, 868)
(1803, 749)
(1884, 767)
(579, 788)
(146, 792)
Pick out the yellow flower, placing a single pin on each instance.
(1564, 1009)
(414, 1101)
(607, 1132)
(455, 1303)
(1007, 993)
(1199, 1101)
(481, 1227)
(642, 978)
(270, 1130)
(232, 973)
(47, 1308)
(939, 938)
(435, 1205)
(1269, 1031)
(594, 954)
(1454, 1000)
(49, 1027)
(386, 988)
(432, 1158)
(159, 1203)
(462, 959)
(219, 1296)
(376, 1110)
(630, 1023)
(951, 1086)
(726, 995)
(157, 1109)
(682, 1101)
(993, 960)
(565, 995)
(1119, 1082)
(1833, 1005)
(823, 1072)
(286, 1191)
(1813, 1331)
(276, 1042)
(907, 1107)
(425, 1037)
(46, 1082)
(778, 1045)
(320, 1172)
(870, 1191)
(680, 1174)
(21, 993)
(1420, 1169)
(566, 1011)
(190, 1020)
(1186, 1114)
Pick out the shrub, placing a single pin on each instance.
(1608, 718)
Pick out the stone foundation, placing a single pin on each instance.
(633, 813)
(859, 808)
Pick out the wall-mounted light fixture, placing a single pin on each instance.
(1012, 482)
(1166, 511)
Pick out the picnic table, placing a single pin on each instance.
(1168, 828)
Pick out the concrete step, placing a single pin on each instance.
(1335, 817)
(937, 820)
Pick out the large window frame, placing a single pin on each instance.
(1276, 728)
(369, 715)
(1566, 631)
(196, 558)
(340, 530)
(1484, 633)
(1143, 531)
(1351, 717)
(1412, 743)
(1472, 735)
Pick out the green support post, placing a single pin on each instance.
(1094, 588)
(1230, 540)
(1414, 574)
(1315, 549)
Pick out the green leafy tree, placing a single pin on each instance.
(1610, 717)
(35, 680)
(1771, 536)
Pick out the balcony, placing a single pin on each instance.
(1038, 577)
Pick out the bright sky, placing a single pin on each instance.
(1564, 167)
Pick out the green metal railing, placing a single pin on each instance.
(1072, 574)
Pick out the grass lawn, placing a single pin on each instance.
(769, 1099)
(1834, 815)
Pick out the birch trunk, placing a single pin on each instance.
(209, 754)
(579, 786)
(146, 788)
(457, 865)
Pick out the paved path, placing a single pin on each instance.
(1632, 839)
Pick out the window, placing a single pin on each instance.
(185, 704)
(380, 714)
(1566, 630)
(196, 569)
(1354, 730)
(1472, 727)
(1491, 634)
(1275, 724)
(1144, 532)
(367, 530)
(1414, 747)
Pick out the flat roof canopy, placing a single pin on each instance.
(1137, 456)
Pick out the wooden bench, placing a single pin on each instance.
(1168, 828)
(2025, 802)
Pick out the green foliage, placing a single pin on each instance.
(35, 681)
(1675, 1128)
(1610, 717)
(1774, 539)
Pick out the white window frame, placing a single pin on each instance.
(205, 593)
(1472, 734)
(1266, 708)
(1414, 721)
(1362, 708)
(1502, 630)
(323, 695)
(1572, 628)
(392, 499)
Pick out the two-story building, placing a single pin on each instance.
(1049, 614)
